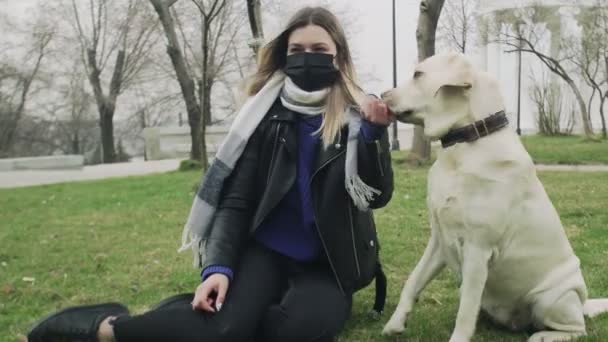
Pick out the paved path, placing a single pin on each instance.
(582, 168)
(14, 179)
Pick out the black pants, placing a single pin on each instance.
(272, 298)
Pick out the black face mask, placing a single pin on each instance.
(311, 71)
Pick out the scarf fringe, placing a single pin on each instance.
(192, 242)
(360, 192)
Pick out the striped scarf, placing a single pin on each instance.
(200, 221)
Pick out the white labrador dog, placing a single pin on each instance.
(491, 220)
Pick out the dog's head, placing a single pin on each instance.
(437, 96)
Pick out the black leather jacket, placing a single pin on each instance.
(267, 170)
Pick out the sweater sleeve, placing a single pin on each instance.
(371, 131)
(209, 270)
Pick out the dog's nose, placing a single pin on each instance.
(386, 94)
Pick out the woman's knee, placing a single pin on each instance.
(213, 327)
(232, 332)
(300, 326)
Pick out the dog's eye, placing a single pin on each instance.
(417, 74)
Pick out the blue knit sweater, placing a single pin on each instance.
(290, 228)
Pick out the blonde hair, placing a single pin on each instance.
(344, 93)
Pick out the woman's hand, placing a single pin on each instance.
(376, 111)
(211, 291)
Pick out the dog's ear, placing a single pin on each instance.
(458, 74)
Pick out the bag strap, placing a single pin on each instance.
(380, 300)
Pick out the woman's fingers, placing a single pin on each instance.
(202, 298)
(376, 111)
(221, 294)
(207, 303)
(210, 293)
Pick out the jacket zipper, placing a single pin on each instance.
(324, 165)
(352, 232)
(331, 264)
(274, 149)
(379, 152)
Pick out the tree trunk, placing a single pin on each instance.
(106, 124)
(591, 97)
(9, 121)
(582, 107)
(205, 104)
(76, 143)
(8, 128)
(195, 137)
(206, 75)
(186, 82)
(602, 100)
(425, 37)
(255, 22)
(106, 105)
(204, 89)
(603, 97)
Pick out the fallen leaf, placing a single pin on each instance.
(8, 289)
(29, 279)
(436, 300)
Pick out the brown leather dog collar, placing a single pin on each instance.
(476, 130)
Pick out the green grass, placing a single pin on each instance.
(117, 239)
(566, 149)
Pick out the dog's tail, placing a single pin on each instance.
(594, 307)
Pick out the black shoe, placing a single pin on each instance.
(79, 323)
(177, 301)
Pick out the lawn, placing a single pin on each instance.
(566, 150)
(570, 149)
(116, 240)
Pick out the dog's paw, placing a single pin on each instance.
(393, 327)
(458, 338)
(555, 336)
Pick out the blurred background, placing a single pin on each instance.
(100, 79)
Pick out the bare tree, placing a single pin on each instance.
(198, 149)
(152, 109)
(591, 54)
(430, 10)
(73, 115)
(548, 100)
(254, 13)
(521, 32)
(16, 85)
(34, 137)
(456, 26)
(124, 33)
(200, 65)
(214, 20)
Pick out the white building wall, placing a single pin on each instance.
(503, 65)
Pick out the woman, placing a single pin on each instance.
(281, 225)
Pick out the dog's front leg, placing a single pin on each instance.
(474, 277)
(427, 268)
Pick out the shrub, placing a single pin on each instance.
(189, 165)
